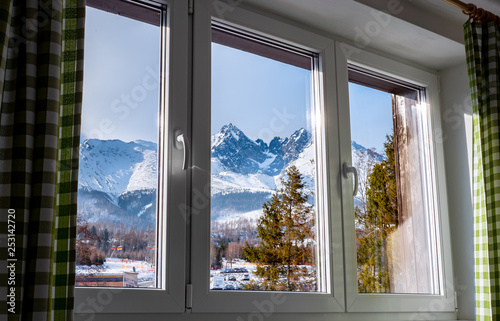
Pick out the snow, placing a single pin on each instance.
(240, 272)
(115, 266)
(270, 158)
(114, 166)
(251, 216)
(145, 174)
(217, 139)
(236, 274)
(227, 182)
(220, 276)
(144, 209)
(216, 166)
(363, 161)
(306, 165)
(235, 136)
(224, 133)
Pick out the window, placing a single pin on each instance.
(243, 144)
(394, 206)
(264, 202)
(235, 235)
(118, 211)
(131, 176)
(395, 262)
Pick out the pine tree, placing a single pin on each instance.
(105, 241)
(377, 219)
(93, 231)
(286, 231)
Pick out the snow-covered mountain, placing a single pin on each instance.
(245, 173)
(118, 180)
(115, 167)
(233, 151)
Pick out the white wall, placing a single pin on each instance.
(456, 113)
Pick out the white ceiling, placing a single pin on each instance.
(446, 10)
(426, 32)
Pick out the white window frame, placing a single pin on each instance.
(439, 305)
(171, 227)
(205, 300)
(187, 227)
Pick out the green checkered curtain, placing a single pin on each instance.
(482, 44)
(41, 74)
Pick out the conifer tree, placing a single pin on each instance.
(286, 232)
(377, 219)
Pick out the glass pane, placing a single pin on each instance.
(263, 169)
(118, 176)
(394, 229)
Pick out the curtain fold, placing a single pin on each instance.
(482, 44)
(41, 75)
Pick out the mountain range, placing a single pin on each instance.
(118, 180)
(245, 173)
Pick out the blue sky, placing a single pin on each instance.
(250, 91)
(263, 97)
(371, 116)
(120, 103)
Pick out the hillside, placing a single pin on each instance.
(118, 180)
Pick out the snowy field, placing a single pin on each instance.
(238, 274)
(114, 266)
(235, 276)
(231, 277)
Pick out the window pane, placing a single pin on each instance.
(396, 244)
(263, 168)
(118, 176)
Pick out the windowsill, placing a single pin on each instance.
(257, 315)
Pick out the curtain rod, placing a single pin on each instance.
(474, 13)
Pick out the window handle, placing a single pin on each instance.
(346, 169)
(182, 139)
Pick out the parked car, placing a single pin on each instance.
(229, 287)
(217, 282)
(246, 277)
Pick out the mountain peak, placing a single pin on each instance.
(230, 135)
(357, 148)
(237, 153)
(302, 135)
(228, 126)
(115, 166)
(230, 129)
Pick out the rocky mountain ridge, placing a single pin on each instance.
(118, 180)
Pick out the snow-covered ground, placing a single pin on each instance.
(236, 275)
(114, 266)
(233, 276)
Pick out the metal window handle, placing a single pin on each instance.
(346, 169)
(181, 138)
